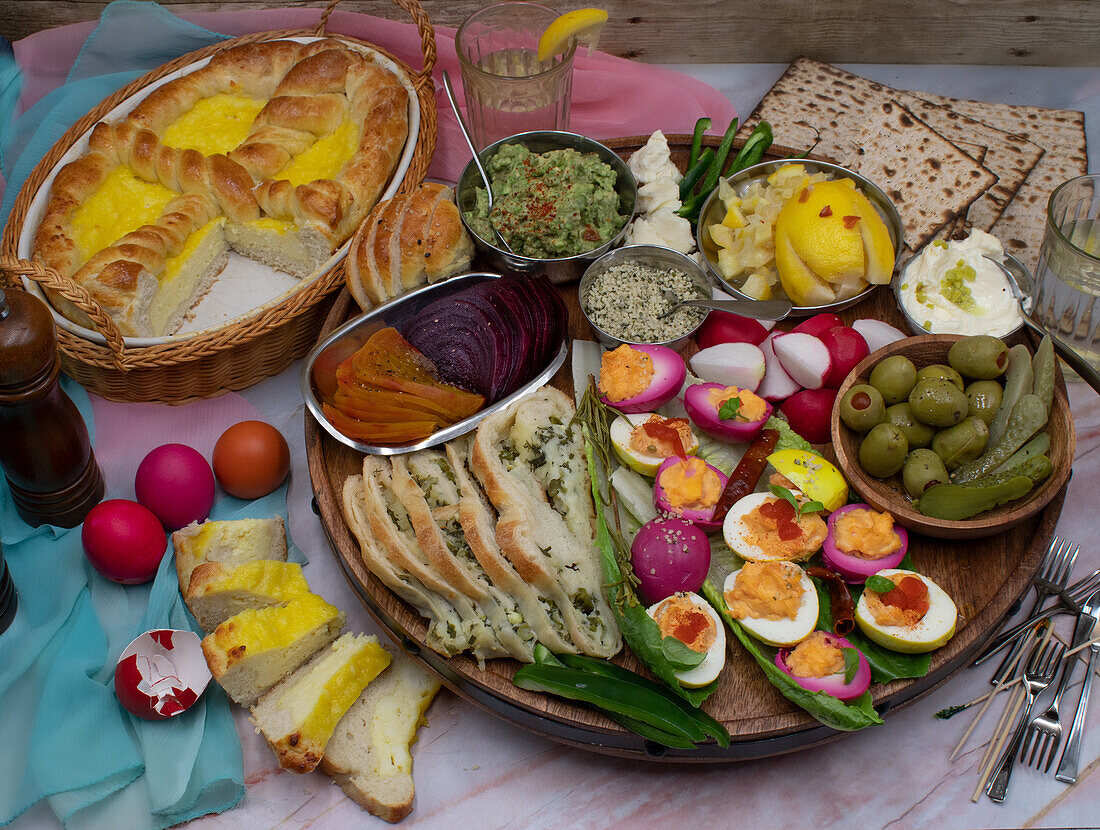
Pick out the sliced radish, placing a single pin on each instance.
(777, 384)
(732, 364)
(803, 357)
(846, 348)
(877, 333)
(809, 413)
(818, 323)
(724, 327)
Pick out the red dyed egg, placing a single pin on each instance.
(124, 541)
(176, 483)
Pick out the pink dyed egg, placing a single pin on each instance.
(177, 484)
(124, 541)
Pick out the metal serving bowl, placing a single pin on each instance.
(1015, 270)
(564, 269)
(713, 212)
(656, 257)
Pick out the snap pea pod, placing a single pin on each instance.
(1027, 418)
(612, 695)
(962, 501)
(1019, 380)
(695, 173)
(1042, 366)
(701, 126)
(1039, 445)
(709, 725)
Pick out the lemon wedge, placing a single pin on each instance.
(582, 25)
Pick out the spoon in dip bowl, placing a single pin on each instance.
(1013, 270)
(477, 161)
(757, 309)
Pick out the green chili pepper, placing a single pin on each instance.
(701, 126)
(756, 145)
(711, 181)
(695, 173)
(611, 694)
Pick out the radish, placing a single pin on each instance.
(846, 348)
(809, 413)
(877, 333)
(803, 357)
(723, 327)
(818, 324)
(732, 364)
(777, 384)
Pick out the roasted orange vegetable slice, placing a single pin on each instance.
(373, 432)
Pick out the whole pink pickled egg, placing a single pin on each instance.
(124, 541)
(177, 484)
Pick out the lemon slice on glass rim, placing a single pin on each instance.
(582, 25)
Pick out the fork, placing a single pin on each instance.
(1052, 578)
(1045, 733)
(1067, 768)
(1042, 666)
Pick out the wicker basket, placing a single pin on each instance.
(236, 355)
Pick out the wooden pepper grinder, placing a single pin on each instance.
(44, 448)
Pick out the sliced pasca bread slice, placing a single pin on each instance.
(448, 632)
(298, 716)
(368, 754)
(252, 651)
(218, 591)
(228, 542)
(531, 464)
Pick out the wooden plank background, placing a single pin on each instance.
(1008, 32)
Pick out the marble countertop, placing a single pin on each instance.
(472, 769)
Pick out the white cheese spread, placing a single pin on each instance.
(658, 199)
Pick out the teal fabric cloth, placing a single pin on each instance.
(131, 39)
(67, 739)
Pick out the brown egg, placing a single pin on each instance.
(251, 459)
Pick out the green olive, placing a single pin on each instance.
(922, 469)
(938, 402)
(938, 370)
(883, 451)
(984, 397)
(916, 433)
(862, 407)
(982, 357)
(894, 377)
(961, 443)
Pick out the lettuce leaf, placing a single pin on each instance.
(788, 438)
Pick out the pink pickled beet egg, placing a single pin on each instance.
(831, 684)
(177, 484)
(669, 555)
(669, 372)
(704, 516)
(124, 541)
(852, 568)
(706, 415)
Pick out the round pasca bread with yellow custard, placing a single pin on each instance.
(276, 150)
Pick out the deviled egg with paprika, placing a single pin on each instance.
(690, 619)
(775, 601)
(644, 440)
(637, 378)
(862, 541)
(914, 616)
(689, 488)
(825, 662)
(762, 527)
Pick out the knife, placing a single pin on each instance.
(1082, 632)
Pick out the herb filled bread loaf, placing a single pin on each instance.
(227, 542)
(218, 591)
(412, 239)
(369, 752)
(252, 651)
(298, 716)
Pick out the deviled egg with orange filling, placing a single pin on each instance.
(913, 616)
(762, 527)
(775, 601)
(690, 619)
(644, 440)
(638, 378)
(689, 488)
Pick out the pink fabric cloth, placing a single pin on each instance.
(611, 96)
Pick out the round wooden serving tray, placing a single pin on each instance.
(985, 577)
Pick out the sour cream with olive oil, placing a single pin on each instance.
(951, 288)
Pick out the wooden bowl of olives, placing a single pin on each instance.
(957, 437)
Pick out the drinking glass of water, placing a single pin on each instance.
(1067, 280)
(508, 90)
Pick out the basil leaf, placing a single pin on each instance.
(880, 584)
(887, 665)
(810, 507)
(851, 663)
(729, 409)
(785, 494)
(831, 711)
